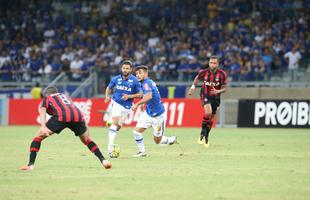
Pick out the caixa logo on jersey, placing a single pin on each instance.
(274, 113)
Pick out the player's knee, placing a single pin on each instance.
(84, 137)
(136, 132)
(41, 134)
(208, 114)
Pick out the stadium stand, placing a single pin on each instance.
(41, 39)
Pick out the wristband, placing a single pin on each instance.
(193, 87)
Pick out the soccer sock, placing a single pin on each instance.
(203, 128)
(207, 127)
(139, 141)
(207, 131)
(34, 148)
(92, 146)
(112, 135)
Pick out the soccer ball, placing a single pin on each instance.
(116, 151)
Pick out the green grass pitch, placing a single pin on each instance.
(239, 164)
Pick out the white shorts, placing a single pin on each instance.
(119, 111)
(158, 123)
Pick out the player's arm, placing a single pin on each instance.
(43, 108)
(192, 88)
(108, 90)
(132, 96)
(137, 90)
(147, 97)
(43, 117)
(220, 91)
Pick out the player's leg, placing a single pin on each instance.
(82, 131)
(142, 124)
(204, 122)
(118, 115)
(113, 129)
(214, 105)
(36, 143)
(207, 122)
(159, 124)
(137, 134)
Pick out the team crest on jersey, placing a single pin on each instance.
(130, 81)
(121, 87)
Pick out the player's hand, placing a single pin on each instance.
(142, 108)
(107, 99)
(45, 131)
(214, 91)
(134, 107)
(125, 97)
(191, 91)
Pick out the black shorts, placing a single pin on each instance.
(56, 126)
(214, 101)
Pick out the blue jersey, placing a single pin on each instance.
(154, 107)
(124, 86)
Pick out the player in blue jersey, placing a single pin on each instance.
(155, 114)
(126, 87)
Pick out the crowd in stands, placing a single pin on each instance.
(174, 38)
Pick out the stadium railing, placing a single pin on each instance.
(89, 88)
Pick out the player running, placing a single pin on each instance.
(64, 115)
(127, 87)
(214, 84)
(155, 114)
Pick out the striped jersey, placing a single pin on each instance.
(212, 80)
(61, 107)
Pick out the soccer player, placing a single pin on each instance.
(154, 115)
(127, 87)
(64, 115)
(214, 84)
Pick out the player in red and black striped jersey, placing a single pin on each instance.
(60, 106)
(64, 115)
(214, 84)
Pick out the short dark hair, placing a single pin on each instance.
(215, 57)
(127, 62)
(145, 68)
(50, 90)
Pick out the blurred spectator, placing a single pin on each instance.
(76, 68)
(183, 69)
(102, 33)
(293, 58)
(36, 91)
